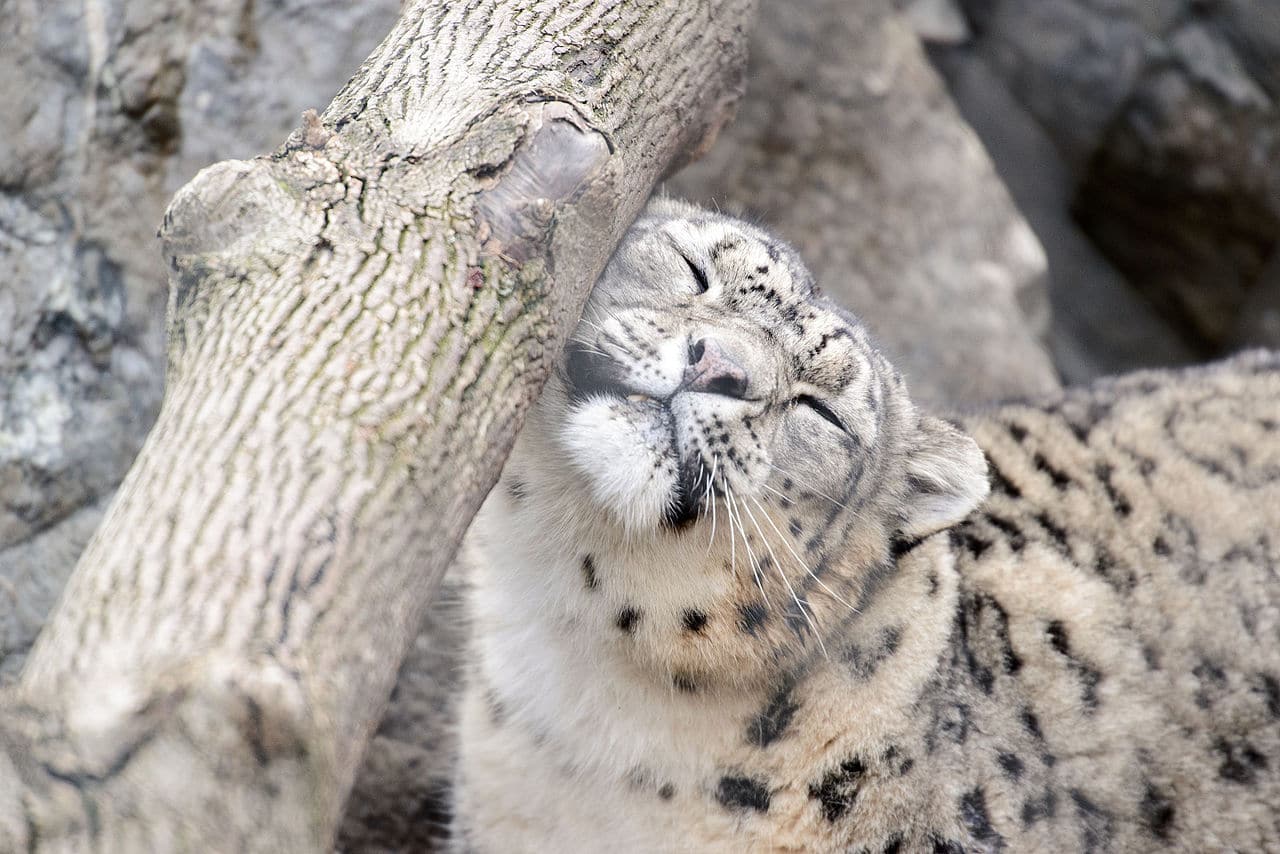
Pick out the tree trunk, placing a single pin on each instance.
(357, 325)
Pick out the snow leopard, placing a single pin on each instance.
(736, 592)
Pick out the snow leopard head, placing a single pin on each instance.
(723, 453)
(709, 373)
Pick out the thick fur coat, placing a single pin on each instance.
(736, 593)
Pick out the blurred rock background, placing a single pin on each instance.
(1141, 138)
(1012, 193)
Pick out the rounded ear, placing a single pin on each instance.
(946, 478)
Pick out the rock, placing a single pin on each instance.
(1100, 324)
(1184, 196)
(847, 144)
(28, 589)
(1165, 112)
(937, 21)
(1210, 60)
(76, 388)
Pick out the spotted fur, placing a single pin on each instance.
(756, 601)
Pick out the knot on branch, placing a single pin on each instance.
(228, 208)
(553, 164)
(235, 219)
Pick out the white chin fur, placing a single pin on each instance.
(624, 450)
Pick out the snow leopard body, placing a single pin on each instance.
(735, 592)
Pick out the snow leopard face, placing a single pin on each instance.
(707, 367)
(708, 372)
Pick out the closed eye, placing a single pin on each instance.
(699, 275)
(821, 408)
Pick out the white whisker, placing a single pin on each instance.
(787, 543)
(734, 509)
(710, 499)
(589, 322)
(587, 348)
(790, 589)
(733, 547)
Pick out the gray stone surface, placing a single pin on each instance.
(1100, 324)
(1165, 114)
(936, 21)
(32, 573)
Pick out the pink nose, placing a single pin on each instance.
(711, 371)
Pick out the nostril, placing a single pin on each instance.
(712, 371)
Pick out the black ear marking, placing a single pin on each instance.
(900, 545)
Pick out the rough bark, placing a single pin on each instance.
(356, 326)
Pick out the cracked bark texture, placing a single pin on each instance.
(356, 326)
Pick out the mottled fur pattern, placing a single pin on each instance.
(735, 593)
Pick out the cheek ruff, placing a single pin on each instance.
(625, 452)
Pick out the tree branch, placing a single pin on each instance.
(357, 325)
